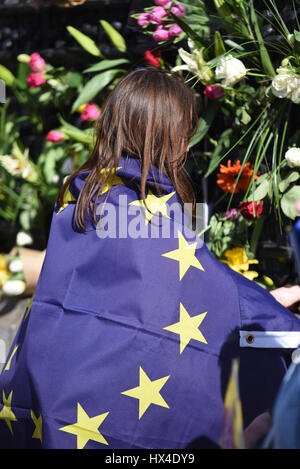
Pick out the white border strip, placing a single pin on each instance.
(270, 339)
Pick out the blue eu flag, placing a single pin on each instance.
(128, 341)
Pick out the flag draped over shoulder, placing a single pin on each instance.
(128, 341)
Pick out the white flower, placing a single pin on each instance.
(55, 178)
(16, 265)
(195, 64)
(286, 84)
(295, 95)
(292, 157)
(18, 164)
(231, 70)
(23, 239)
(13, 287)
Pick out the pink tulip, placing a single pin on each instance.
(214, 91)
(163, 3)
(175, 30)
(36, 79)
(178, 10)
(91, 112)
(161, 34)
(143, 19)
(157, 14)
(36, 63)
(55, 136)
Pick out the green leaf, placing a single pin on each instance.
(45, 97)
(264, 55)
(114, 35)
(79, 135)
(224, 141)
(292, 177)
(73, 79)
(297, 35)
(205, 122)
(288, 202)
(94, 86)
(219, 45)
(105, 64)
(86, 42)
(75, 133)
(261, 190)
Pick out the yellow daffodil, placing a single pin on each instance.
(238, 260)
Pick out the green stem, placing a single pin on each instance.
(256, 234)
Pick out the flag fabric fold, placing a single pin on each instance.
(128, 341)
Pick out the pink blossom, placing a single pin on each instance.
(157, 14)
(178, 10)
(163, 3)
(35, 79)
(214, 91)
(232, 214)
(36, 63)
(90, 112)
(55, 136)
(161, 34)
(143, 19)
(175, 30)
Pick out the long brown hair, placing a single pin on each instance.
(150, 115)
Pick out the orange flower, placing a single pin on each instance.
(227, 177)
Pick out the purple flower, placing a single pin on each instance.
(163, 3)
(143, 19)
(232, 214)
(161, 34)
(178, 10)
(214, 91)
(157, 14)
(175, 30)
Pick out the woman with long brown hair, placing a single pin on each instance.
(129, 339)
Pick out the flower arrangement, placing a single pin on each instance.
(243, 61)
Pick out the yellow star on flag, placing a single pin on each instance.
(185, 255)
(6, 412)
(29, 305)
(86, 428)
(187, 328)
(68, 197)
(38, 426)
(7, 367)
(112, 179)
(154, 204)
(148, 392)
